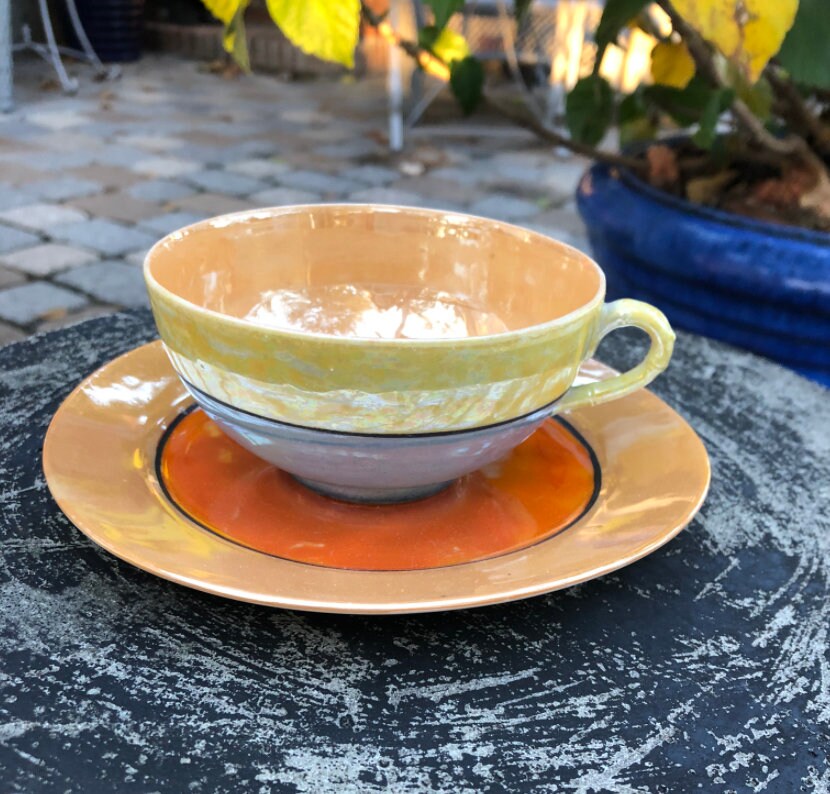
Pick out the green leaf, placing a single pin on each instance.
(442, 10)
(685, 105)
(235, 41)
(615, 16)
(757, 97)
(805, 53)
(632, 108)
(520, 8)
(467, 82)
(232, 13)
(427, 36)
(697, 103)
(707, 128)
(589, 109)
(634, 120)
(327, 29)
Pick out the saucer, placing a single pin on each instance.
(145, 474)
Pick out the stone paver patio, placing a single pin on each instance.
(88, 183)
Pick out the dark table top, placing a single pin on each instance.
(704, 666)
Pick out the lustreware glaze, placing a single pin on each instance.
(500, 508)
(101, 460)
(371, 468)
(204, 278)
(280, 315)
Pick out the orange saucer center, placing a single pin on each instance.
(541, 488)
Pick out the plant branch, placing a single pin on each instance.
(796, 108)
(371, 17)
(526, 120)
(791, 145)
(695, 43)
(529, 122)
(520, 118)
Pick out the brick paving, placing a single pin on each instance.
(88, 183)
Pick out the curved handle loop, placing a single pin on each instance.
(619, 314)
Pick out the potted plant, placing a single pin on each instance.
(725, 223)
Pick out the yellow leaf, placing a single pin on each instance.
(672, 65)
(748, 32)
(225, 10)
(327, 29)
(450, 46)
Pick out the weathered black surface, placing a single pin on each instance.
(703, 667)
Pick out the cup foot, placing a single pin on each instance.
(374, 496)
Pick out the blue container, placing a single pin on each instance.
(114, 27)
(761, 286)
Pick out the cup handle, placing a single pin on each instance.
(619, 314)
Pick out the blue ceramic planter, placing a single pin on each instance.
(760, 286)
(114, 28)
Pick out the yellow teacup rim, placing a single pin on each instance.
(266, 213)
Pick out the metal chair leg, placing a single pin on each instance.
(395, 86)
(425, 99)
(6, 61)
(110, 72)
(50, 51)
(70, 84)
(80, 34)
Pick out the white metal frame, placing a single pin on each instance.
(49, 50)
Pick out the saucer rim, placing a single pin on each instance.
(239, 587)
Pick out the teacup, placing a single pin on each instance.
(377, 353)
